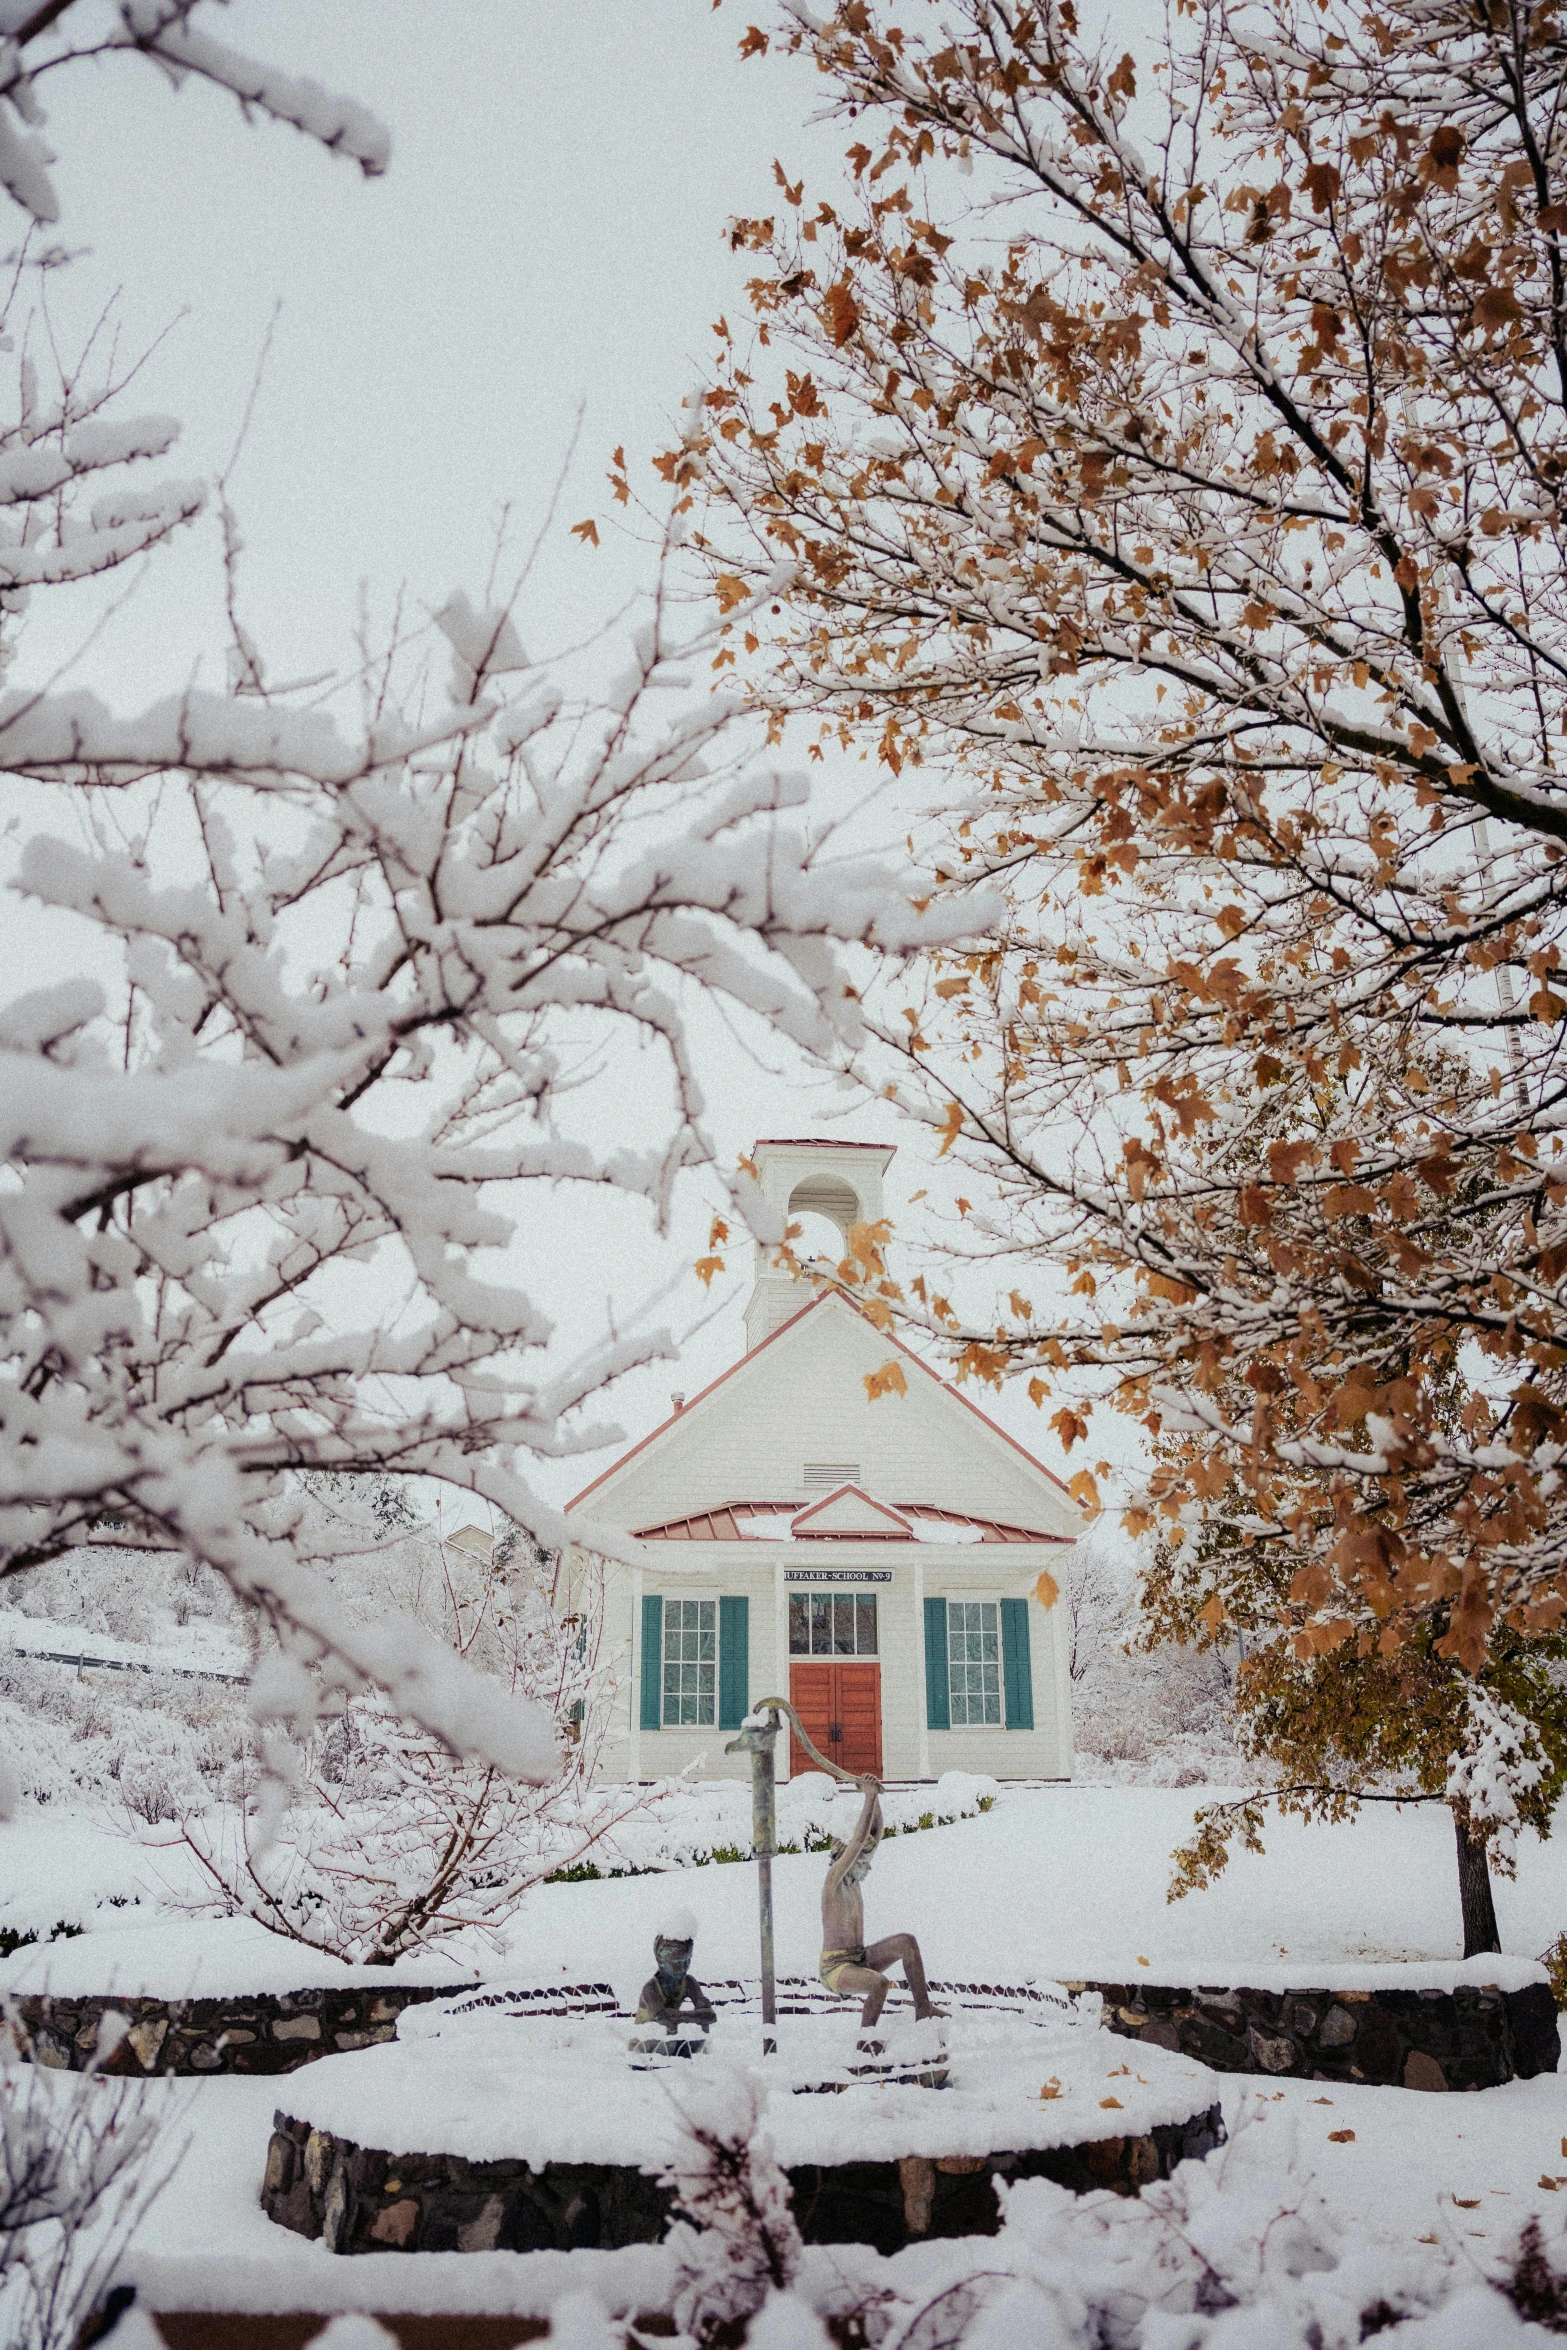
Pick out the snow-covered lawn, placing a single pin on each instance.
(1064, 1881)
(1424, 2198)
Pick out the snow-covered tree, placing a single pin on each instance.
(365, 1837)
(269, 1208)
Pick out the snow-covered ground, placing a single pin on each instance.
(1427, 2196)
(1420, 2187)
(1059, 1881)
(195, 1647)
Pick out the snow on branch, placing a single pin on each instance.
(39, 41)
(1500, 1763)
(162, 29)
(270, 1212)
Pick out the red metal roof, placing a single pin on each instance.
(721, 1525)
(820, 1142)
(822, 1298)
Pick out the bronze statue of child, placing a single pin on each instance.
(673, 2003)
(848, 1968)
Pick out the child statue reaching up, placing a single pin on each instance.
(848, 1968)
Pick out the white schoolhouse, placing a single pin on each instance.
(890, 1566)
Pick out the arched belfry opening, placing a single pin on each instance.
(823, 1205)
(838, 1181)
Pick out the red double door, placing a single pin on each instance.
(840, 1705)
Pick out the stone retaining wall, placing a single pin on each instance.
(360, 2199)
(262, 2032)
(1474, 2037)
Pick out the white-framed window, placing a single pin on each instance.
(690, 1664)
(832, 1623)
(974, 1663)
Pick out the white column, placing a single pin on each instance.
(920, 1713)
(636, 1673)
(780, 1687)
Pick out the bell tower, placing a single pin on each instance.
(839, 1180)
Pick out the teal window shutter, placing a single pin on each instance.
(1017, 1671)
(653, 1662)
(938, 1709)
(734, 1662)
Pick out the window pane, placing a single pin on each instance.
(843, 1625)
(690, 1662)
(799, 1626)
(974, 1662)
(821, 1625)
(866, 1643)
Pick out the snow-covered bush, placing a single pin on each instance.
(734, 2236)
(103, 1740)
(1161, 1717)
(78, 2171)
(368, 1837)
(121, 1593)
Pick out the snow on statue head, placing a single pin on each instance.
(672, 1999)
(672, 1946)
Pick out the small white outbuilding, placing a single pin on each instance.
(890, 1564)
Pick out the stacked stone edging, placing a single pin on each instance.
(362, 2199)
(254, 2032)
(1475, 2036)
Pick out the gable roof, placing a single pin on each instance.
(850, 1510)
(823, 1298)
(819, 1142)
(723, 1524)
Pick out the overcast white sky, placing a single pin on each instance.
(548, 242)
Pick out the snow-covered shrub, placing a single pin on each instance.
(121, 1593)
(1536, 2287)
(70, 1738)
(1163, 1716)
(79, 2170)
(383, 1840)
(733, 2237)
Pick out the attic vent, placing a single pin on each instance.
(828, 1475)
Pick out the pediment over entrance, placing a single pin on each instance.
(850, 1510)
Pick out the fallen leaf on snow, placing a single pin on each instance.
(1467, 2202)
(1340, 2137)
(1115, 2101)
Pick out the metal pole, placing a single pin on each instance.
(764, 1835)
(758, 1740)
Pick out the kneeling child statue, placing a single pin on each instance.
(674, 2009)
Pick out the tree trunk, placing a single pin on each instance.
(1474, 1893)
